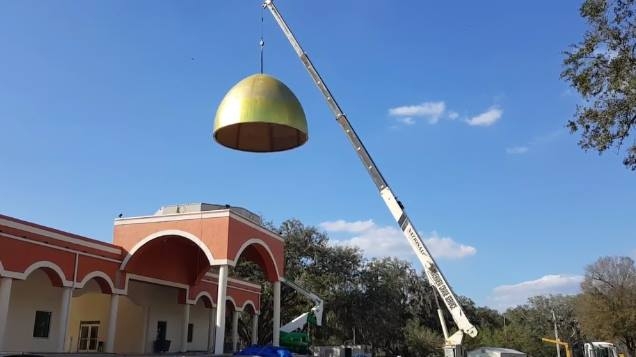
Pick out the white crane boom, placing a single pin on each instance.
(434, 275)
(300, 321)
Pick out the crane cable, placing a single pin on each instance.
(262, 42)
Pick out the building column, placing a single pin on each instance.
(112, 324)
(144, 332)
(276, 332)
(255, 329)
(5, 296)
(211, 329)
(67, 293)
(235, 318)
(186, 322)
(220, 310)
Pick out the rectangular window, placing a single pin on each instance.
(190, 330)
(42, 324)
(87, 341)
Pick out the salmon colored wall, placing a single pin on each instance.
(210, 288)
(87, 265)
(242, 296)
(17, 256)
(53, 241)
(241, 233)
(211, 231)
(172, 258)
(169, 258)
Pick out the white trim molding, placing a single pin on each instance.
(240, 282)
(37, 265)
(236, 307)
(256, 226)
(168, 232)
(105, 247)
(97, 274)
(201, 294)
(264, 245)
(147, 279)
(250, 302)
(51, 246)
(172, 217)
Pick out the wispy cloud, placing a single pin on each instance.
(536, 141)
(406, 120)
(487, 118)
(517, 150)
(383, 241)
(506, 296)
(431, 111)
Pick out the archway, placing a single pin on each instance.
(36, 305)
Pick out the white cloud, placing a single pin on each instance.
(377, 241)
(517, 150)
(430, 111)
(453, 115)
(486, 118)
(343, 226)
(505, 296)
(406, 120)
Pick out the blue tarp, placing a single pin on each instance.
(264, 351)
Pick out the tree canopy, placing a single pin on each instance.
(602, 69)
(388, 305)
(607, 305)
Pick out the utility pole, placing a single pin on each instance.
(556, 334)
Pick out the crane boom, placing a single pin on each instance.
(434, 275)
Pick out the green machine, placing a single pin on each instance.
(293, 335)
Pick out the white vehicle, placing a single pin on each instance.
(600, 349)
(453, 344)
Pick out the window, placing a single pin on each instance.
(42, 324)
(190, 330)
(87, 341)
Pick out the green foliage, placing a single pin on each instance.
(387, 305)
(607, 305)
(602, 68)
(421, 341)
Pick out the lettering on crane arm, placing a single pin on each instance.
(434, 274)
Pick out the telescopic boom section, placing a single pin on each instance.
(435, 276)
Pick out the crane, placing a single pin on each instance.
(290, 336)
(452, 346)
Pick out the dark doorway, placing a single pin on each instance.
(162, 327)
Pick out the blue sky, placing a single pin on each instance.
(107, 107)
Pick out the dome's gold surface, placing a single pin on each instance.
(260, 114)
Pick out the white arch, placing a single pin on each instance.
(45, 264)
(204, 293)
(250, 302)
(262, 243)
(168, 232)
(236, 307)
(96, 274)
